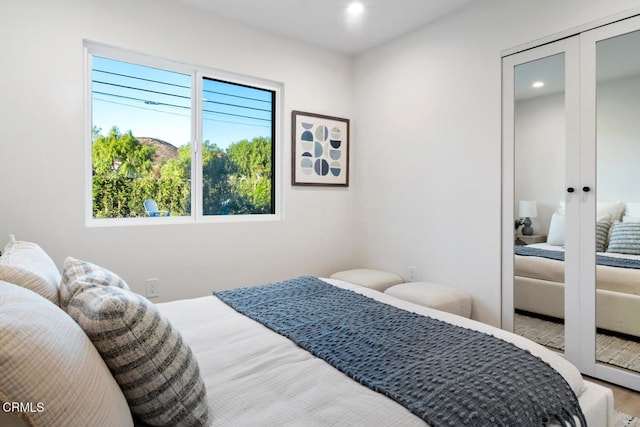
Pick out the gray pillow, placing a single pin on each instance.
(78, 275)
(625, 238)
(154, 367)
(602, 235)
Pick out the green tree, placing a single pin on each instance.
(234, 181)
(117, 159)
(251, 181)
(217, 194)
(111, 196)
(123, 177)
(120, 154)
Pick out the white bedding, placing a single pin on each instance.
(254, 376)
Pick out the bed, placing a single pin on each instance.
(539, 270)
(245, 373)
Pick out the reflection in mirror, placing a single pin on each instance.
(618, 201)
(539, 151)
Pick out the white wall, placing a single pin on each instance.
(428, 111)
(425, 109)
(42, 145)
(540, 148)
(618, 141)
(540, 160)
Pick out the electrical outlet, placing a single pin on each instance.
(412, 273)
(153, 288)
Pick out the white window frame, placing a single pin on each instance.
(197, 73)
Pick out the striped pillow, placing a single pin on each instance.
(79, 275)
(602, 235)
(625, 238)
(154, 367)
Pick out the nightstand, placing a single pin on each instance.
(534, 238)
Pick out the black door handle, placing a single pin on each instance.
(570, 190)
(586, 189)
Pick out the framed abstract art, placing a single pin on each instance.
(320, 150)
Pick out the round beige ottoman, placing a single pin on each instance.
(374, 279)
(440, 297)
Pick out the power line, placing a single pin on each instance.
(138, 106)
(237, 96)
(189, 87)
(141, 90)
(177, 114)
(141, 100)
(240, 106)
(141, 78)
(236, 115)
(180, 106)
(175, 95)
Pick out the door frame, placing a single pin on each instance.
(579, 47)
(570, 48)
(588, 135)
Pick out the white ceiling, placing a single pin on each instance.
(326, 23)
(616, 57)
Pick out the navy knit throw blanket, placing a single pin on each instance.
(445, 374)
(559, 256)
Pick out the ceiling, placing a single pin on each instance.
(616, 58)
(326, 23)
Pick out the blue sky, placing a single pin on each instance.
(157, 103)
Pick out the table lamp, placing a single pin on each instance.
(528, 209)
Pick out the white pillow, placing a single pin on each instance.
(47, 360)
(11, 242)
(26, 264)
(629, 218)
(555, 236)
(632, 210)
(605, 211)
(154, 366)
(615, 209)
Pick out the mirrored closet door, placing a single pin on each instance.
(571, 198)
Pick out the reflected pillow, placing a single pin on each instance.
(615, 209)
(602, 235)
(633, 210)
(555, 237)
(625, 238)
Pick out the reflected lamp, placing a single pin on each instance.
(527, 209)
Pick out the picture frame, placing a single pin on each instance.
(319, 150)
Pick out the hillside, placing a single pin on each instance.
(164, 150)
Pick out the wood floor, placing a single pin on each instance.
(625, 400)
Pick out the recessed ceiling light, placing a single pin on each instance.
(538, 84)
(355, 8)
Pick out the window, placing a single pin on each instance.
(174, 141)
(237, 123)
